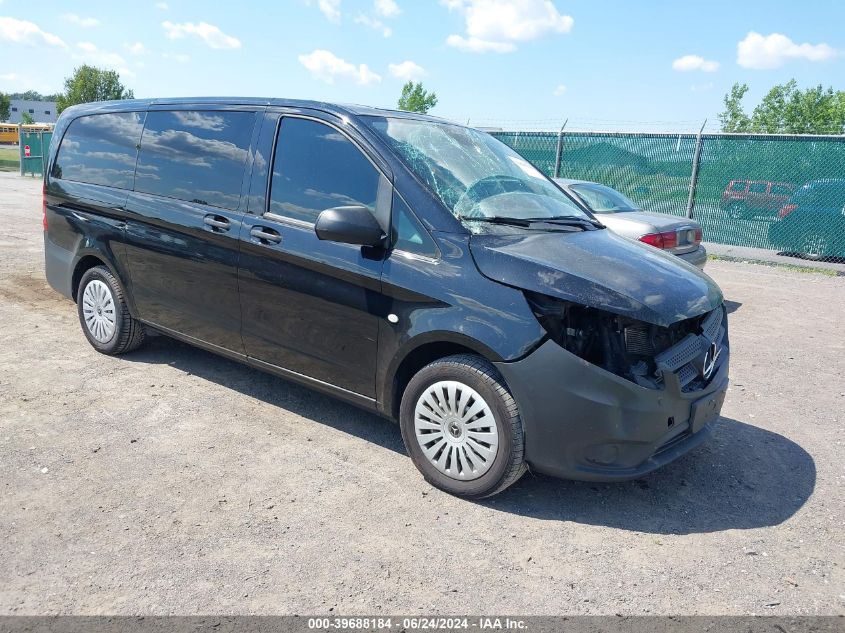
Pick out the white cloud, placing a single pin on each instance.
(25, 32)
(9, 77)
(695, 62)
(162, 6)
(406, 71)
(558, 92)
(381, 9)
(88, 52)
(208, 33)
(136, 48)
(498, 25)
(79, 21)
(326, 66)
(773, 51)
(329, 8)
(476, 45)
(387, 8)
(176, 57)
(374, 23)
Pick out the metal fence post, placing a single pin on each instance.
(696, 161)
(559, 150)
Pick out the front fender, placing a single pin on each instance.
(448, 301)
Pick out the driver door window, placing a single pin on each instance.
(317, 168)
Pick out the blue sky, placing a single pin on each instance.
(613, 64)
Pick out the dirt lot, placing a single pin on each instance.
(171, 481)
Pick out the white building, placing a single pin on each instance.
(40, 111)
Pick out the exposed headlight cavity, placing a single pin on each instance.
(621, 345)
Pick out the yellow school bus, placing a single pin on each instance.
(10, 132)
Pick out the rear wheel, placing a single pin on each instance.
(461, 427)
(104, 315)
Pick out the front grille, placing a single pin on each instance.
(712, 323)
(690, 348)
(679, 359)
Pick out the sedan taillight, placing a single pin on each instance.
(666, 240)
(786, 209)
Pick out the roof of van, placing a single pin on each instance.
(335, 108)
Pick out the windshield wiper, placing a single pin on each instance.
(571, 220)
(497, 219)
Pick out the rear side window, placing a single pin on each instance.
(317, 168)
(100, 149)
(739, 185)
(781, 190)
(196, 156)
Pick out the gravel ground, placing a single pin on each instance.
(172, 481)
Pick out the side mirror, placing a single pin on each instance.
(349, 225)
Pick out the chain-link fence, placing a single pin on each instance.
(783, 193)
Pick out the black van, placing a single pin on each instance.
(409, 265)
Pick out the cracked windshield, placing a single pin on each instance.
(477, 177)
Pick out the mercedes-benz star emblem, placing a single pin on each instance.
(709, 364)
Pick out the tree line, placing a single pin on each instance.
(786, 109)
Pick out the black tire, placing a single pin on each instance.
(475, 372)
(128, 333)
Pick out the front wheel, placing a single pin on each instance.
(461, 427)
(104, 315)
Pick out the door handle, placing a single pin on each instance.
(265, 235)
(216, 222)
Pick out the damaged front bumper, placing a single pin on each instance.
(583, 422)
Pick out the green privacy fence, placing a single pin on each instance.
(736, 186)
(34, 146)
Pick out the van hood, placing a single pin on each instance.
(598, 269)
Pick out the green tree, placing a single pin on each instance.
(733, 118)
(89, 84)
(33, 95)
(26, 118)
(415, 99)
(786, 110)
(5, 107)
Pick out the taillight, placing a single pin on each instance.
(666, 240)
(698, 236)
(786, 209)
(44, 206)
